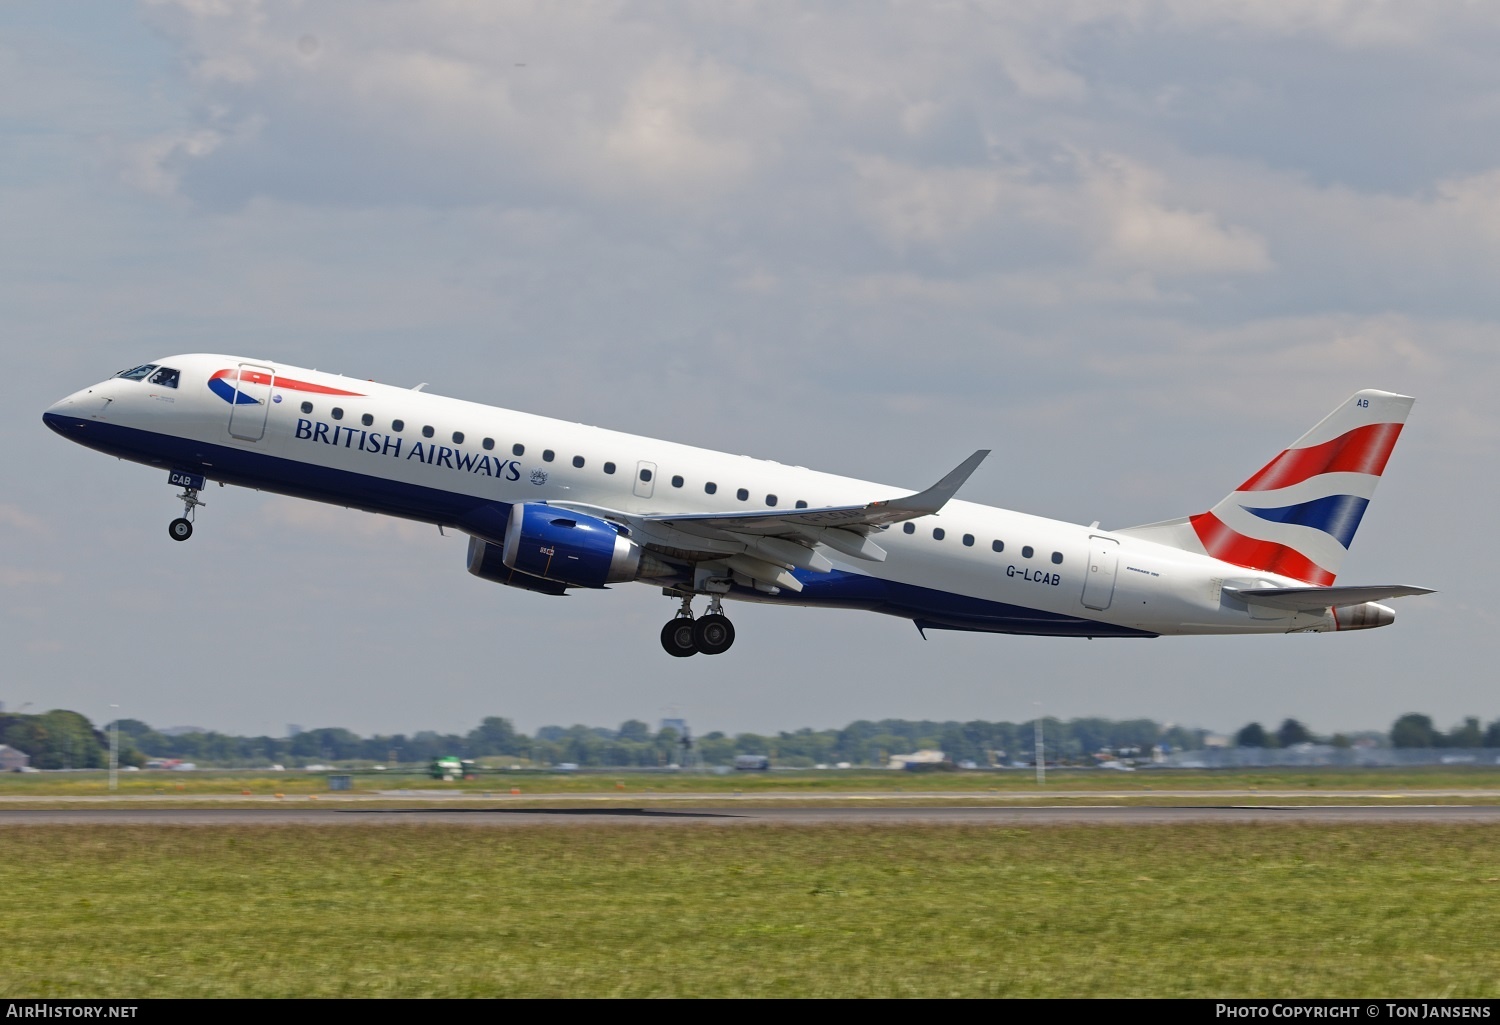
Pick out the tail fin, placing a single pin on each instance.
(1297, 516)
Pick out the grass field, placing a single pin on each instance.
(1279, 910)
(810, 781)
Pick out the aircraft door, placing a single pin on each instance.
(645, 479)
(252, 401)
(1099, 585)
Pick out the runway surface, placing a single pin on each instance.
(729, 816)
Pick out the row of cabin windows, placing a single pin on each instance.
(709, 487)
(488, 444)
(938, 533)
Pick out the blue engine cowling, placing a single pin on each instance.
(486, 562)
(567, 547)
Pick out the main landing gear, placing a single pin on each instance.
(710, 634)
(181, 528)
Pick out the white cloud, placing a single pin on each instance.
(28, 579)
(1144, 233)
(154, 165)
(14, 518)
(1109, 205)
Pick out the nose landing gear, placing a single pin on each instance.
(181, 528)
(712, 634)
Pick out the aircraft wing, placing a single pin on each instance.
(1316, 598)
(765, 545)
(861, 518)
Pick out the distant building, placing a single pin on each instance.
(680, 725)
(917, 758)
(292, 729)
(12, 760)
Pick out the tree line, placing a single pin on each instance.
(62, 739)
(1410, 730)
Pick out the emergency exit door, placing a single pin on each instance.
(1099, 585)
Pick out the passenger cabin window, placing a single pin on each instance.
(367, 420)
(609, 467)
(518, 450)
(338, 414)
(307, 407)
(677, 481)
(397, 426)
(742, 494)
(166, 377)
(427, 432)
(1057, 558)
(487, 444)
(968, 540)
(548, 455)
(997, 546)
(645, 474)
(909, 527)
(1027, 552)
(578, 462)
(710, 487)
(137, 373)
(801, 504)
(938, 533)
(770, 499)
(458, 437)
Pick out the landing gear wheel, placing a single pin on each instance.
(713, 634)
(180, 529)
(677, 638)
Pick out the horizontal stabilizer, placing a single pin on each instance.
(1299, 599)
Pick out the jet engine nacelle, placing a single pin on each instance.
(567, 547)
(487, 563)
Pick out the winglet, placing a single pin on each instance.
(924, 503)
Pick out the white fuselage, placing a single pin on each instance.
(455, 463)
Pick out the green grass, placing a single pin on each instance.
(1282, 910)
(260, 782)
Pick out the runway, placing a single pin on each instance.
(620, 815)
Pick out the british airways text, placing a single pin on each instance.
(430, 453)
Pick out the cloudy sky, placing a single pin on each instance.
(1134, 247)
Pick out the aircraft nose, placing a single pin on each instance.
(67, 415)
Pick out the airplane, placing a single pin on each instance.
(552, 506)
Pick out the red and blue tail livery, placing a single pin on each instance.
(1297, 516)
(552, 506)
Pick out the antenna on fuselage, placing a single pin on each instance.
(420, 386)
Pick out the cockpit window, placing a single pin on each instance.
(137, 374)
(166, 377)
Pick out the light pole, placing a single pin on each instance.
(114, 748)
(1041, 758)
